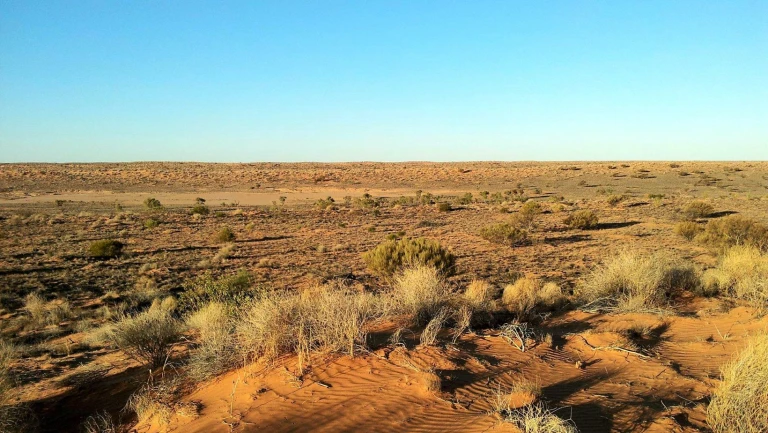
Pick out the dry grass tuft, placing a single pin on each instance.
(742, 273)
(147, 336)
(480, 294)
(100, 423)
(324, 319)
(537, 418)
(419, 293)
(636, 282)
(154, 401)
(688, 229)
(525, 294)
(740, 402)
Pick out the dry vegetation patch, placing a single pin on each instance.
(740, 402)
(636, 282)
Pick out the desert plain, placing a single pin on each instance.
(481, 351)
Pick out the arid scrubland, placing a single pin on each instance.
(592, 297)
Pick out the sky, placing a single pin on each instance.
(232, 81)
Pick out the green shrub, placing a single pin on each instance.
(583, 219)
(200, 209)
(390, 256)
(227, 290)
(527, 215)
(505, 234)
(225, 234)
(105, 248)
(734, 230)
(152, 203)
(443, 206)
(151, 223)
(688, 229)
(697, 209)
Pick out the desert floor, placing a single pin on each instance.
(50, 213)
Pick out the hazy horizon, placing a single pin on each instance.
(383, 81)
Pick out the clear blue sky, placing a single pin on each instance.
(383, 80)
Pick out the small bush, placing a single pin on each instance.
(734, 230)
(527, 215)
(151, 223)
(443, 206)
(105, 249)
(147, 336)
(697, 209)
(634, 281)
(582, 219)
(392, 255)
(505, 234)
(225, 234)
(200, 209)
(688, 229)
(740, 402)
(152, 203)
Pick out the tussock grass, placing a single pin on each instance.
(154, 401)
(147, 336)
(480, 295)
(636, 282)
(688, 229)
(537, 418)
(419, 293)
(526, 294)
(217, 349)
(99, 423)
(741, 273)
(740, 402)
(42, 313)
(324, 319)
